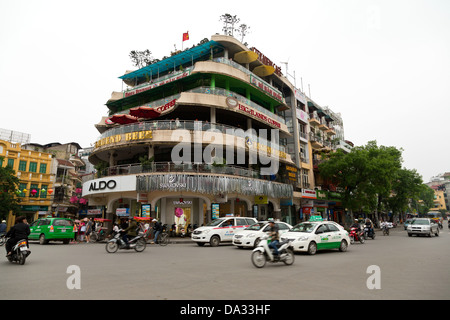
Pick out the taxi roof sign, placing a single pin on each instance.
(315, 218)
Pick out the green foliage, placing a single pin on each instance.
(371, 178)
(9, 184)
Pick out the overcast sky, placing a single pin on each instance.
(384, 65)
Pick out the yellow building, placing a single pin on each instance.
(439, 201)
(34, 170)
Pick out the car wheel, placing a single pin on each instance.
(42, 239)
(409, 234)
(343, 247)
(312, 248)
(200, 244)
(214, 241)
(257, 241)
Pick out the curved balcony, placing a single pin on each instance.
(161, 125)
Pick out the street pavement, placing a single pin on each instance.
(413, 268)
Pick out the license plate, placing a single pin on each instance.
(195, 237)
(63, 230)
(23, 248)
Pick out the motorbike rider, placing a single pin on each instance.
(356, 225)
(130, 231)
(19, 231)
(369, 224)
(157, 228)
(3, 227)
(275, 237)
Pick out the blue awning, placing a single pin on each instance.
(196, 53)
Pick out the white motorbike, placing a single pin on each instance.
(263, 253)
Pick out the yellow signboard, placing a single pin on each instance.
(131, 136)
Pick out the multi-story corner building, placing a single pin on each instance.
(36, 178)
(198, 135)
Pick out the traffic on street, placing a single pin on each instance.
(392, 266)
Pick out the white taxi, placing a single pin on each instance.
(251, 236)
(317, 235)
(220, 230)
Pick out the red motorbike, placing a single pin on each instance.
(356, 235)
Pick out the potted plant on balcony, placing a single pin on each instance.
(146, 163)
(218, 165)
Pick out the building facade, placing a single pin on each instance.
(36, 178)
(214, 130)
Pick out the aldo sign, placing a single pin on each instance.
(109, 185)
(102, 185)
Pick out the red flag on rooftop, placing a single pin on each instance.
(186, 36)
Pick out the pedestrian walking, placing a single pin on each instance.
(89, 229)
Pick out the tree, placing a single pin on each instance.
(407, 188)
(229, 22)
(141, 59)
(425, 201)
(243, 30)
(9, 184)
(364, 175)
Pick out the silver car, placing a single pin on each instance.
(424, 226)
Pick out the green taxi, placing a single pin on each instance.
(49, 229)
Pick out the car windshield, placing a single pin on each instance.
(214, 223)
(420, 222)
(256, 226)
(303, 227)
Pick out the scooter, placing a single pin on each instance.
(263, 253)
(138, 243)
(182, 230)
(355, 235)
(385, 229)
(19, 252)
(369, 233)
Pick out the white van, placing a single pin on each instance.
(220, 230)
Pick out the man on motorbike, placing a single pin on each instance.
(19, 231)
(275, 237)
(157, 228)
(356, 225)
(369, 224)
(130, 231)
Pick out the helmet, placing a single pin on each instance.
(154, 220)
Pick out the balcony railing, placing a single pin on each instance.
(160, 167)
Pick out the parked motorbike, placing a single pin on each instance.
(189, 229)
(138, 243)
(263, 253)
(369, 233)
(182, 230)
(356, 235)
(19, 252)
